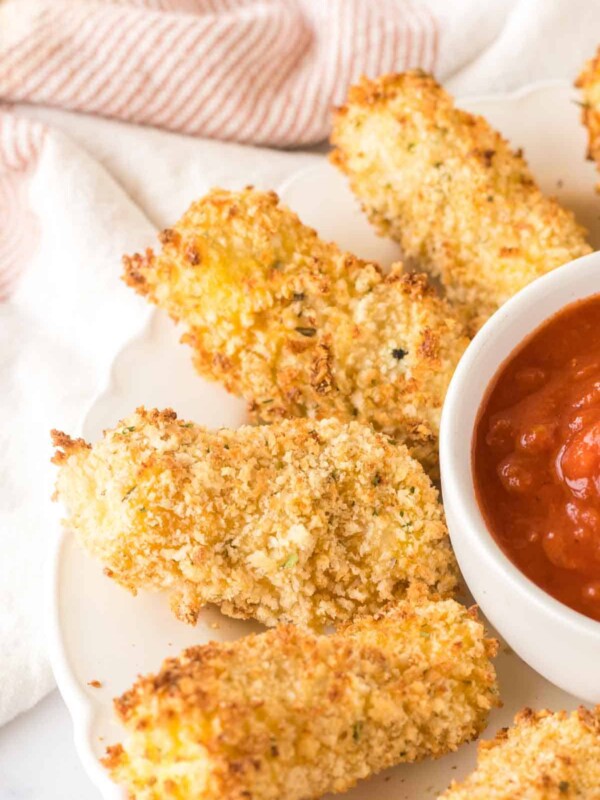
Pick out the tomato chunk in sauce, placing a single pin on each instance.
(536, 457)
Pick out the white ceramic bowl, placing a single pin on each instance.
(561, 644)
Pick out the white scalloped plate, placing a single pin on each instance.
(100, 633)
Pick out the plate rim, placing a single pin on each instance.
(73, 694)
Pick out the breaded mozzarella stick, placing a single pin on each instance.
(302, 521)
(545, 756)
(450, 190)
(289, 714)
(589, 83)
(296, 326)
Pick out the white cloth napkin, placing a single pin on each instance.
(76, 192)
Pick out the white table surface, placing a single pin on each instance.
(38, 759)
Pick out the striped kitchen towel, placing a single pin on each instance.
(262, 71)
(20, 142)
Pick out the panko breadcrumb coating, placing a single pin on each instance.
(545, 756)
(296, 326)
(450, 190)
(289, 714)
(303, 521)
(589, 83)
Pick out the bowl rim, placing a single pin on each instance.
(456, 451)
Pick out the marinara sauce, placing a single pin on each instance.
(536, 456)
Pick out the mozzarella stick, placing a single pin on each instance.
(450, 190)
(589, 83)
(302, 521)
(545, 756)
(296, 326)
(292, 714)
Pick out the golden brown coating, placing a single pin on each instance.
(589, 83)
(450, 190)
(289, 714)
(296, 326)
(545, 756)
(302, 521)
